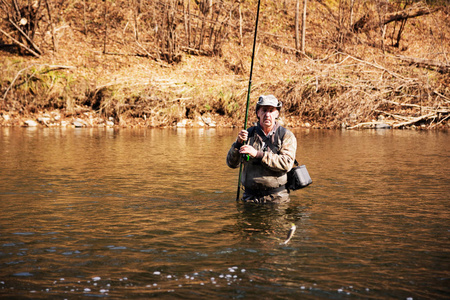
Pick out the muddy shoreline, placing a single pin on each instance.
(91, 119)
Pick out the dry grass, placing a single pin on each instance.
(344, 78)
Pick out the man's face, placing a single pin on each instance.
(267, 116)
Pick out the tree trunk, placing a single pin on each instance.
(106, 27)
(211, 8)
(189, 22)
(84, 17)
(304, 26)
(240, 23)
(55, 46)
(297, 33)
(352, 4)
(136, 14)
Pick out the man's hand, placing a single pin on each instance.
(247, 149)
(242, 136)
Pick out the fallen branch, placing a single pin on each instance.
(437, 110)
(145, 50)
(283, 48)
(371, 125)
(14, 80)
(195, 51)
(441, 121)
(415, 120)
(446, 99)
(36, 48)
(126, 54)
(392, 115)
(20, 44)
(370, 22)
(426, 62)
(376, 66)
(416, 10)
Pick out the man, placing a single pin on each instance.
(271, 151)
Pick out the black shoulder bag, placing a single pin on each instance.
(298, 177)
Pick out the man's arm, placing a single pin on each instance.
(283, 161)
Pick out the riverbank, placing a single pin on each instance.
(360, 81)
(203, 92)
(91, 119)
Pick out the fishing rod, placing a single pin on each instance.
(248, 96)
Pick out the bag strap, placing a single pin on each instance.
(281, 132)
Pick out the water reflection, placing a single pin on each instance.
(269, 220)
(151, 213)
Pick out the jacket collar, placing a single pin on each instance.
(261, 131)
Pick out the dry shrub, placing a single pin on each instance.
(202, 69)
(352, 90)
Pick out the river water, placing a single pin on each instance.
(141, 213)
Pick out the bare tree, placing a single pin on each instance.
(106, 26)
(55, 45)
(300, 42)
(240, 23)
(352, 5)
(136, 12)
(304, 25)
(84, 17)
(297, 33)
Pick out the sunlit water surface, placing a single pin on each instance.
(152, 213)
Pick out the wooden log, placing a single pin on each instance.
(416, 10)
(369, 21)
(415, 120)
(426, 62)
(371, 125)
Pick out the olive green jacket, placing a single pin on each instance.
(275, 158)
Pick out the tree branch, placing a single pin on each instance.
(415, 120)
(369, 22)
(26, 37)
(426, 62)
(20, 44)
